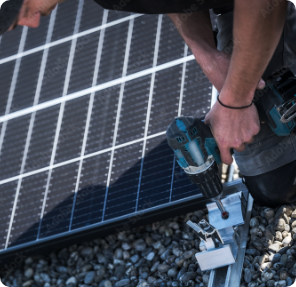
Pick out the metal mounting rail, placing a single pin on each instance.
(230, 276)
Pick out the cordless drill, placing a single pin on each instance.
(276, 103)
(198, 155)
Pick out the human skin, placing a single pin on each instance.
(236, 77)
(32, 10)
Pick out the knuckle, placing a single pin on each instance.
(237, 143)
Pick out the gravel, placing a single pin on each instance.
(270, 259)
(162, 255)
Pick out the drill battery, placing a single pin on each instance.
(276, 103)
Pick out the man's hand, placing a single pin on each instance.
(232, 128)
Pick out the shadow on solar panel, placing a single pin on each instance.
(135, 186)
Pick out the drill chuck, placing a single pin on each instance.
(208, 181)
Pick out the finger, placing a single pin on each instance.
(207, 120)
(226, 155)
(261, 85)
(250, 141)
(240, 148)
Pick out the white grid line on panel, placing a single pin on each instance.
(95, 89)
(124, 70)
(8, 106)
(33, 115)
(90, 107)
(79, 158)
(69, 38)
(182, 82)
(13, 84)
(156, 48)
(172, 182)
(179, 113)
(61, 112)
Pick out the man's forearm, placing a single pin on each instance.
(196, 30)
(255, 37)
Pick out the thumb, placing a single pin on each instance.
(207, 120)
(261, 84)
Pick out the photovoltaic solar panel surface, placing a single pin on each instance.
(85, 102)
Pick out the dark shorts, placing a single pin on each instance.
(269, 151)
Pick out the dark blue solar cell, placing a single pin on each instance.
(90, 198)
(124, 184)
(55, 72)
(6, 74)
(102, 122)
(10, 41)
(113, 53)
(134, 110)
(59, 201)
(157, 173)
(72, 129)
(196, 104)
(92, 15)
(29, 206)
(142, 44)
(26, 83)
(84, 62)
(7, 196)
(171, 45)
(165, 101)
(37, 36)
(13, 146)
(65, 20)
(40, 149)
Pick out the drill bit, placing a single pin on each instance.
(224, 213)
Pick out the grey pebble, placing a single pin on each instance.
(87, 252)
(140, 245)
(89, 277)
(29, 272)
(266, 275)
(281, 283)
(163, 267)
(45, 277)
(105, 283)
(71, 280)
(150, 256)
(172, 272)
(122, 282)
(135, 258)
(187, 276)
(126, 246)
(247, 275)
(274, 258)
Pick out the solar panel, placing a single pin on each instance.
(86, 99)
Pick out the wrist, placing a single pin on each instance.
(236, 97)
